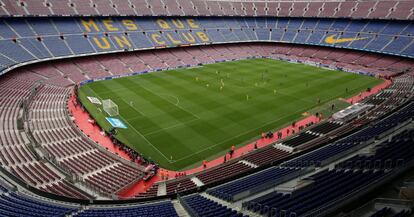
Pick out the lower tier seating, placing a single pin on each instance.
(148, 210)
(325, 188)
(16, 205)
(270, 177)
(204, 207)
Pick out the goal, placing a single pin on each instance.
(110, 107)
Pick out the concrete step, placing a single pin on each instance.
(162, 189)
(232, 206)
(250, 164)
(197, 181)
(180, 209)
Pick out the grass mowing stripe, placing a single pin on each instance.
(234, 103)
(135, 129)
(270, 122)
(196, 116)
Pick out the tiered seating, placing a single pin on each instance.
(382, 9)
(402, 10)
(65, 145)
(113, 65)
(223, 172)
(317, 157)
(83, 163)
(14, 153)
(180, 185)
(169, 59)
(71, 71)
(91, 67)
(259, 181)
(266, 155)
(113, 179)
(152, 61)
(300, 139)
(263, 156)
(73, 153)
(13, 90)
(152, 192)
(204, 207)
(329, 9)
(326, 188)
(363, 9)
(199, 7)
(32, 39)
(326, 127)
(39, 39)
(389, 154)
(149, 210)
(16, 204)
(72, 147)
(64, 188)
(401, 88)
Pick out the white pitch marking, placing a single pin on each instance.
(136, 130)
(170, 127)
(234, 137)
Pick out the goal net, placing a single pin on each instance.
(110, 107)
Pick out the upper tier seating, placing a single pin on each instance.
(396, 9)
(24, 40)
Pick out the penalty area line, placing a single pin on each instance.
(145, 138)
(136, 131)
(159, 95)
(170, 127)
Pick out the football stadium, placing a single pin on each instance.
(199, 108)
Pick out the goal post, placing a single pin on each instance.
(110, 107)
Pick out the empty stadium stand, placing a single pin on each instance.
(25, 41)
(324, 188)
(385, 9)
(48, 167)
(51, 96)
(202, 206)
(154, 209)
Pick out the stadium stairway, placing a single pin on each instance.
(162, 189)
(197, 181)
(232, 206)
(302, 181)
(180, 209)
(252, 165)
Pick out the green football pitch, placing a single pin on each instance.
(178, 118)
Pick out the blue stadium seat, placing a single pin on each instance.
(146, 210)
